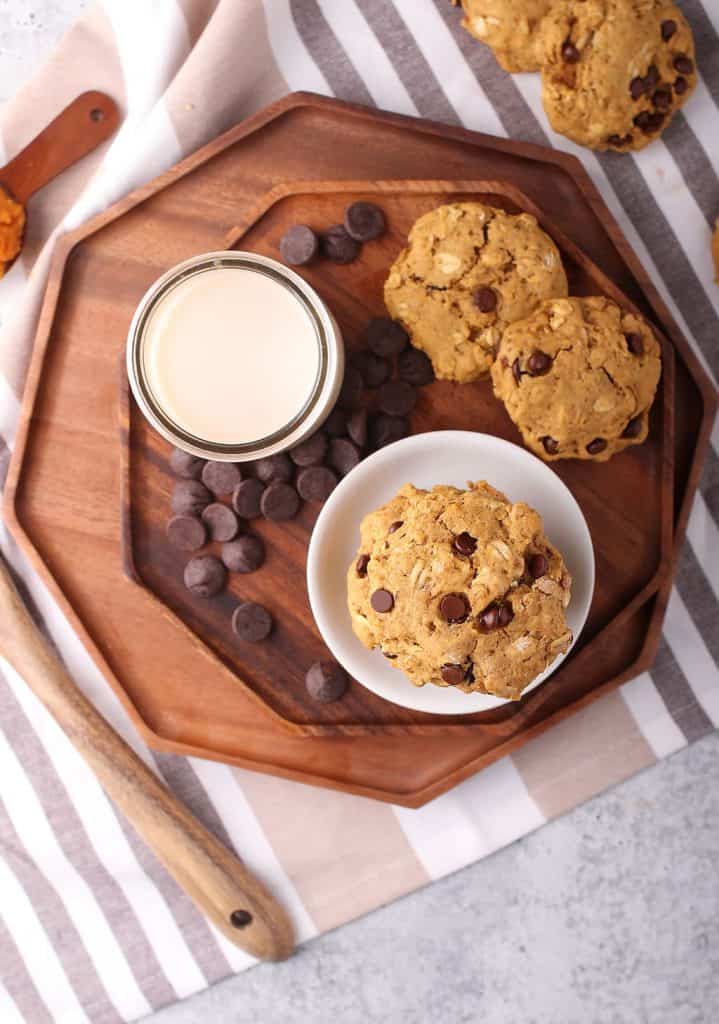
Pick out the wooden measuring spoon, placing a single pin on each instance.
(234, 900)
(80, 128)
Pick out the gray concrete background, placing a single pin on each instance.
(609, 915)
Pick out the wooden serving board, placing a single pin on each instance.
(63, 492)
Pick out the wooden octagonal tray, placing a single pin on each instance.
(62, 493)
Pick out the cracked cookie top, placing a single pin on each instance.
(578, 377)
(511, 28)
(460, 588)
(468, 271)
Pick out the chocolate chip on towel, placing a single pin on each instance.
(326, 681)
(251, 622)
(205, 575)
(186, 533)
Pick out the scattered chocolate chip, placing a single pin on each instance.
(570, 54)
(364, 221)
(596, 446)
(464, 544)
(339, 247)
(336, 423)
(185, 465)
(205, 575)
(485, 299)
(662, 98)
(539, 363)
(357, 427)
(387, 429)
(342, 455)
(393, 527)
(377, 370)
(246, 554)
(274, 468)
(311, 451)
(251, 622)
(415, 367)
(316, 483)
(351, 389)
(221, 521)
(326, 681)
(186, 533)
(189, 497)
(648, 122)
(221, 477)
(517, 371)
(668, 28)
(634, 427)
(454, 608)
(680, 86)
(635, 344)
(620, 141)
(551, 446)
(361, 565)
(506, 614)
(637, 87)
(386, 337)
(299, 245)
(246, 498)
(683, 64)
(537, 565)
(397, 398)
(488, 620)
(382, 601)
(452, 674)
(280, 501)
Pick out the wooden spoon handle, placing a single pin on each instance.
(83, 125)
(241, 907)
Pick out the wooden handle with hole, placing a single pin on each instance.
(82, 125)
(234, 900)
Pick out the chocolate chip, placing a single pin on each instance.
(299, 245)
(415, 367)
(336, 423)
(551, 446)
(386, 337)
(342, 455)
(570, 54)
(485, 299)
(220, 521)
(246, 498)
(357, 427)
(680, 86)
(454, 608)
(651, 78)
(596, 446)
(634, 427)
(619, 140)
(537, 565)
(185, 465)
(205, 575)
(311, 451)
(382, 601)
(517, 371)
(326, 681)
(274, 468)
(506, 614)
(662, 98)
(280, 501)
(316, 483)
(648, 122)
(189, 497)
(637, 87)
(668, 28)
(251, 622)
(464, 544)
(186, 533)
(375, 370)
(364, 221)
(351, 389)
(635, 344)
(452, 674)
(539, 363)
(387, 429)
(246, 554)
(361, 565)
(221, 477)
(338, 246)
(683, 64)
(488, 620)
(393, 527)
(397, 398)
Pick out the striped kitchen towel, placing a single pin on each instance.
(91, 928)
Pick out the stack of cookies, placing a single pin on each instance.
(614, 72)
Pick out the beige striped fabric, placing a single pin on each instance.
(91, 927)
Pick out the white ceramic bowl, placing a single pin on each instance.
(441, 457)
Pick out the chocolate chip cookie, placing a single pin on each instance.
(578, 378)
(468, 271)
(460, 588)
(614, 72)
(511, 27)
